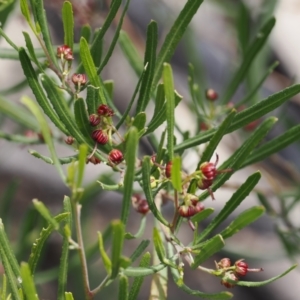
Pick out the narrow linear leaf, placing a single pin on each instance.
(115, 5)
(7, 253)
(174, 36)
(139, 250)
(241, 221)
(68, 296)
(131, 53)
(43, 24)
(90, 68)
(138, 281)
(26, 13)
(176, 173)
(81, 165)
(109, 87)
(36, 111)
(39, 242)
(202, 215)
(18, 114)
(118, 233)
(216, 138)
(48, 160)
(43, 210)
(38, 91)
(97, 49)
(106, 260)
(20, 139)
(251, 53)
(130, 157)
(123, 288)
(4, 287)
(68, 23)
(31, 51)
(27, 282)
(92, 99)
(149, 61)
(140, 231)
(273, 146)
(170, 107)
(158, 245)
(148, 191)
(244, 117)
(210, 247)
(261, 283)
(115, 38)
(142, 271)
(86, 32)
(242, 192)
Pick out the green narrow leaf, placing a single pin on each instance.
(64, 258)
(68, 22)
(90, 68)
(159, 99)
(139, 271)
(139, 250)
(92, 99)
(48, 160)
(97, 49)
(210, 247)
(273, 146)
(100, 34)
(82, 119)
(130, 157)
(149, 61)
(26, 13)
(36, 111)
(39, 243)
(140, 232)
(176, 173)
(38, 91)
(139, 121)
(148, 191)
(20, 138)
(241, 193)
(43, 24)
(170, 107)
(86, 32)
(138, 281)
(43, 210)
(18, 114)
(27, 282)
(81, 165)
(115, 38)
(31, 50)
(244, 117)
(6, 200)
(7, 253)
(158, 245)
(109, 87)
(266, 204)
(106, 260)
(242, 220)
(4, 287)
(118, 233)
(261, 283)
(161, 115)
(251, 53)
(174, 36)
(216, 138)
(131, 53)
(123, 288)
(202, 215)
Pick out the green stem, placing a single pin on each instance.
(100, 286)
(77, 209)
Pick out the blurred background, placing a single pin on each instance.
(215, 44)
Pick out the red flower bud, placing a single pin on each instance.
(209, 169)
(224, 263)
(79, 79)
(100, 136)
(104, 110)
(94, 160)
(65, 52)
(69, 140)
(187, 211)
(211, 95)
(94, 119)
(203, 126)
(168, 169)
(116, 156)
(142, 207)
(241, 268)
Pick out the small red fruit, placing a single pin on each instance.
(104, 110)
(209, 169)
(211, 95)
(168, 169)
(94, 119)
(116, 156)
(100, 136)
